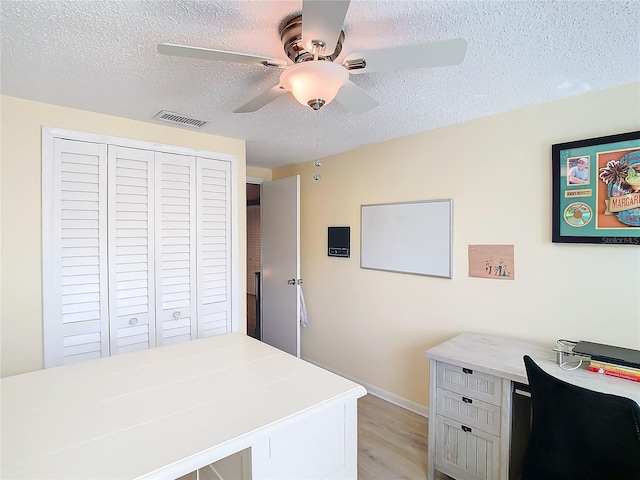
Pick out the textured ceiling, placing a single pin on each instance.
(101, 56)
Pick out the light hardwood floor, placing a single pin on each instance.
(392, 442)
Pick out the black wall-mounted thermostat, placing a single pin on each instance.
(339, 244)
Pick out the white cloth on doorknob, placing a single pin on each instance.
(304, 321)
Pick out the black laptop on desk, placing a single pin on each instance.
(608, 353)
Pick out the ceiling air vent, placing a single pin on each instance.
(172, 117)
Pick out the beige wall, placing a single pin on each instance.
(21, 259)
(257, 172)
(374, 325)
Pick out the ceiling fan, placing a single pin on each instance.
(312, 41)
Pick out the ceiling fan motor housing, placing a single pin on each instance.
(291, 37)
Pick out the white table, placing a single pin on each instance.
(472, 377)
(168, 411)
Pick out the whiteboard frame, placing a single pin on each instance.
(447, 232)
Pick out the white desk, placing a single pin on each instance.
(169, 411)
(483, 395)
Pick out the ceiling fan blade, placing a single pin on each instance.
(219, 55)
(434, 54)
(323, 20)
(355, 99)
(256, 103)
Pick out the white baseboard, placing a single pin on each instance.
(378, 392)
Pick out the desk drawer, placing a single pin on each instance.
(470, 383)
(470, 411)
(465, 452)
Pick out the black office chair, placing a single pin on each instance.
(580, 434)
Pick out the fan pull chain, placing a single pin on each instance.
(317, 161)
(317, 135)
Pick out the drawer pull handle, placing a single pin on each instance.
(467, 400)
(468, 371)
(466, 429)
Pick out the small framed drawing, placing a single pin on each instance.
(596, 190)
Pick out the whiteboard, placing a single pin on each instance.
(411, 237)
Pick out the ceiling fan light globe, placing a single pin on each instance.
(314, 80)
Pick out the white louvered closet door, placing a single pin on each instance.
(74, 225)
(175, 213)
(132, 322)
(214, 247)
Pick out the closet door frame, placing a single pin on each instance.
(50, 133)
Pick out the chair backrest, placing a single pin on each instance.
(577, 433)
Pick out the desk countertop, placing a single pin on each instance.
(503, 357)
(142, 413)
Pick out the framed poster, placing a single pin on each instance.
(596, 190)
